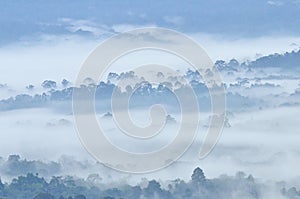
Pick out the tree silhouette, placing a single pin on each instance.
(198, 177)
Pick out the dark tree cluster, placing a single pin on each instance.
(32, 186)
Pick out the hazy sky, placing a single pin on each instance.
(50, 40)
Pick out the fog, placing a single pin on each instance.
(255, 47)
(263, 143)
(260, 135)
(53, 57)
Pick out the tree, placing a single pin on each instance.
(56, 185)
(13, 158)
(152, 189)
(49, 84)
(65, 83)
(80, 197)
(1, 185)
(198, 177)
(133, 192)
(240, 175)
(30, 87)
(44, 196)
(27, 186)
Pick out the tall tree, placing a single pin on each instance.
(1, 185)
(198, 177)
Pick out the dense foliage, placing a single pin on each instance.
(32, 186)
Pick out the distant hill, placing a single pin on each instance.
(288, 60)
